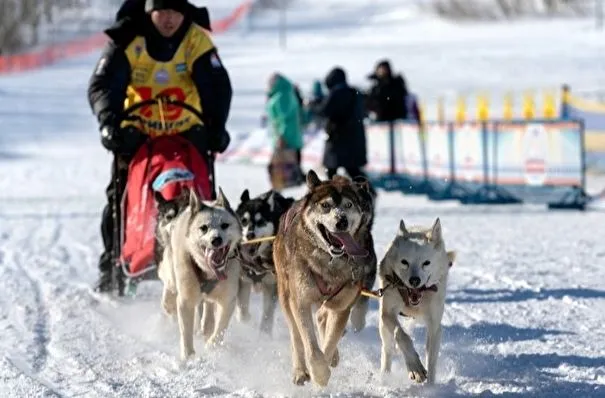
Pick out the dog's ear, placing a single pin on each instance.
(451, 257)
(157, 195)
(245, 196)
(194, 201)
(403, 232)
(435, 234)
(271, 200)
(312, 180)
(221, 199)
(362, 183)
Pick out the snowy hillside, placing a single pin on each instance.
(525, 307)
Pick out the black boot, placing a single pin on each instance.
(105, 283)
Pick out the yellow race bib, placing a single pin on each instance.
(152, 79)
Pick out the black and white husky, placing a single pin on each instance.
(259, 217)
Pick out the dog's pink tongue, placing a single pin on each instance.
(351, 247)
(220, 275)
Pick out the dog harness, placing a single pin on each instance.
(255, 270)
(327, 293)
(397, 283)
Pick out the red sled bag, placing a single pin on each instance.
(167, 164)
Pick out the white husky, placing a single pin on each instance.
(199, 269)
(413, 274)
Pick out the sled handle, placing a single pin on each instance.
(127, 113)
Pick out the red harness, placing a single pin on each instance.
(325, 291)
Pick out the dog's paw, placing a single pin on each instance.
(213, 342)
(300, 377)
(335, 359)
(187, 355)
(320, 372)
(416, 370)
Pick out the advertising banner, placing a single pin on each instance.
(437, 152)
(378, 147)
(468, 152)
(539, 154)
(539, 161)
(408, 151)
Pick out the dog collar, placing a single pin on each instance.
(395, 281)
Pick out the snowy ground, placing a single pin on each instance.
(525, 308)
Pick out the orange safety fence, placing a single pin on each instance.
(51, 54)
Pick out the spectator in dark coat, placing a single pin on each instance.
(387, 96)
(343, 111)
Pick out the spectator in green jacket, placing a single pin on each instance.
(283, 114)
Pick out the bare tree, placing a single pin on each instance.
(507, 9)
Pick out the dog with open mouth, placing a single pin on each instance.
(413, 277)
(200, 269)
(321, 254)
(259, 217)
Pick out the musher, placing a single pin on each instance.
(157, 48)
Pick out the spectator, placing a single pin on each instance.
(387, 96)
(346, 143)
(283, 117)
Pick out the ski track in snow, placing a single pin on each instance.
(525, 298)
(512, 325)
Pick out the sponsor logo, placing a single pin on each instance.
(182, 67)
(162, 76)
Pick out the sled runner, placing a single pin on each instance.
(164, 165)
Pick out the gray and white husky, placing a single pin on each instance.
(413, 274)
(199, 269)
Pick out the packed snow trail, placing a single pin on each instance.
(524, 314)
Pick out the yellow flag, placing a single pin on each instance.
(529, 106)
(461, 109)
(482, 108)
(508, 112)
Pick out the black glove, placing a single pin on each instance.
(219, 140)
(110, 138)
(205, 140)
(121, 141)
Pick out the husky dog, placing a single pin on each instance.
(167, 210)
(367, 198)
(259, 217)
(413, 274)
(321, 253)
(199, 268)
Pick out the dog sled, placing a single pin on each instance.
(164, 165)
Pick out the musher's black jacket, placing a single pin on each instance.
(108, 84)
